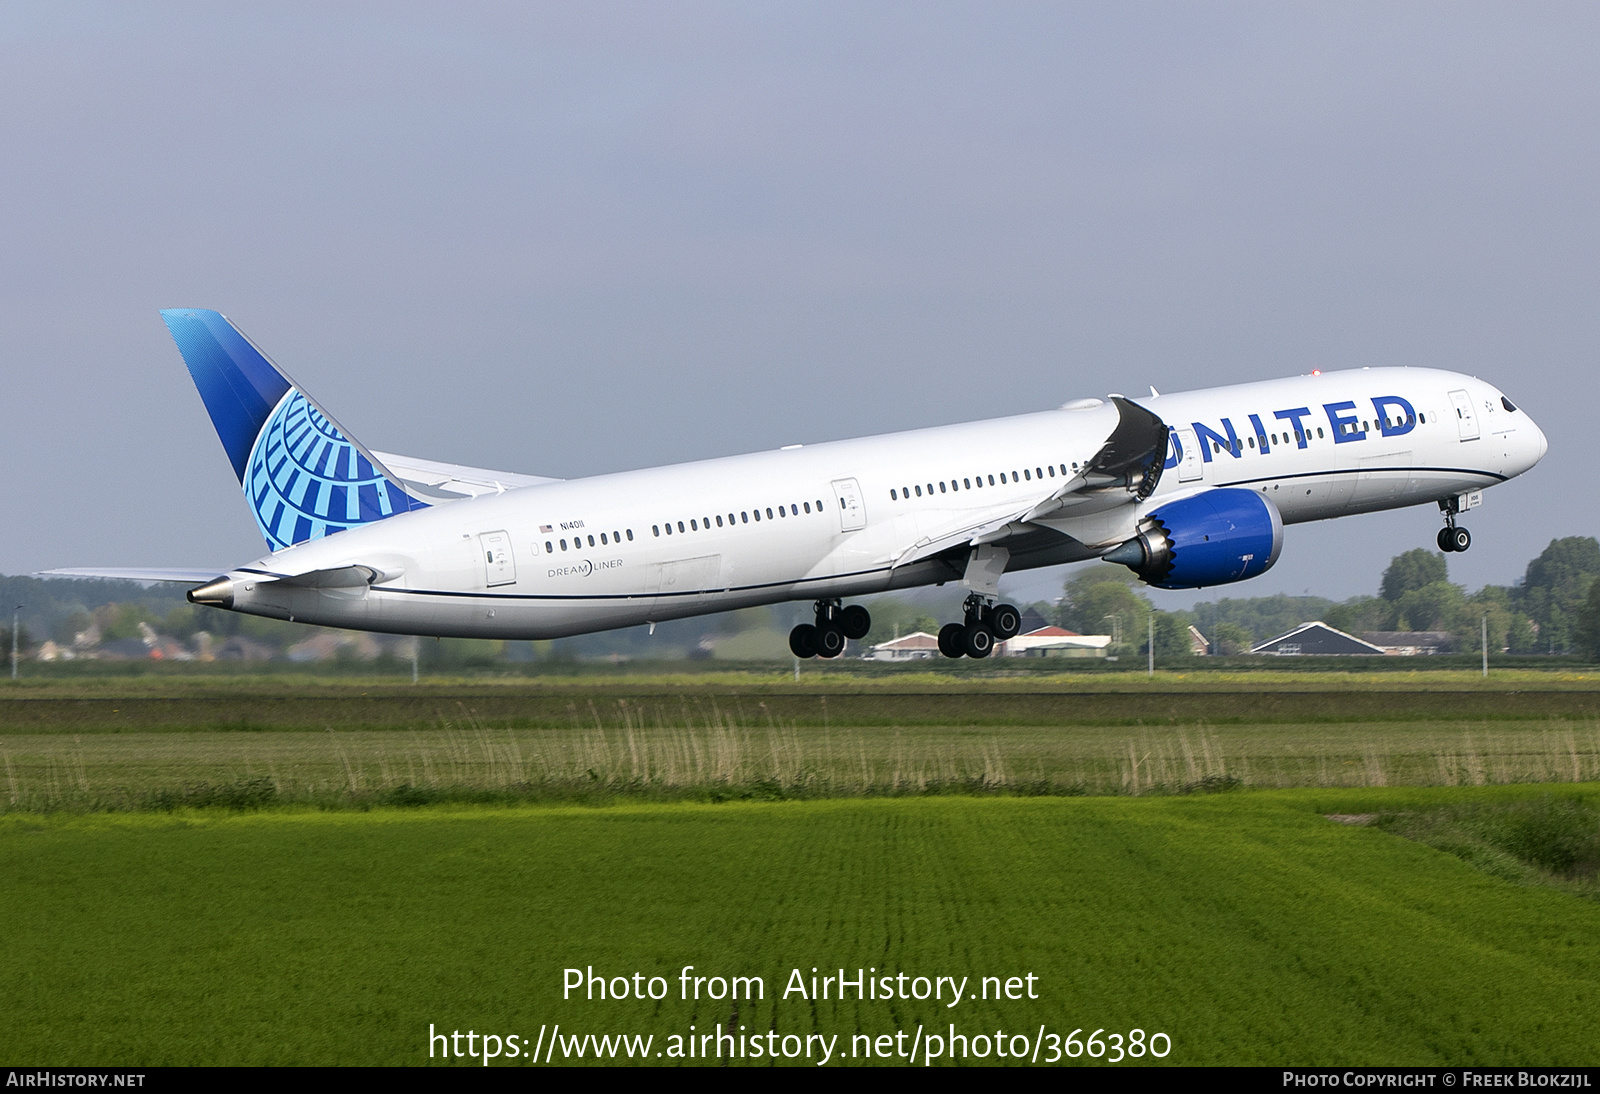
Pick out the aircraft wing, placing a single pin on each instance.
(444, 482)
(1125, 470)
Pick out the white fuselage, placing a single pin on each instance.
(839, 519)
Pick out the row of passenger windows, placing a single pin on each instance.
(698, 524)
(1298, 437)
(976, 483)
(577, 541)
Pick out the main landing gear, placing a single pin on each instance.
(983, 626)
(835, 624)
(1452, 538)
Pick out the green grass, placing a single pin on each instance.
(1246, 926)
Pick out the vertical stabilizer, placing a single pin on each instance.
(303, 475)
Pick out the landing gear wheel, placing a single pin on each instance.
(1444, 540)
(953, 640)
(1006, 621)
(803, 641)
(1460, 539)
(855, 622)
(978, 640)
(830, 641)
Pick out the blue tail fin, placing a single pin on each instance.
(303, 475)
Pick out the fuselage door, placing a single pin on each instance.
(1190, 464)
(499, 567)
(852, 514)
(1466, 421)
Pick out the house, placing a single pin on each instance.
(1316, 639)
(1049, 641)
(1411, 643)
(919, 646)
(1197, 642)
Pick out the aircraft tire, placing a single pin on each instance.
(830, 641)
(953, 640)
(1006, 621)
(1444, 541)
(855, 621)
(1460, 539)
(803, 641)
(977, 641)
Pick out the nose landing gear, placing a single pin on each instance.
(984, 624)
(834, 625)
(1452, 538)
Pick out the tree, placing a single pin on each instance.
(1436, 606)
(1172, 638)
(1556, 586)
(1098, 592)
(1415, 569)
(1230, 639)
(1586, 630)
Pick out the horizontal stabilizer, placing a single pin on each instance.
(186, 577)
(440, 482)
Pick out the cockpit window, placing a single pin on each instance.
(1507, 404)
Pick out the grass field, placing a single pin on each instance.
(131, 744)
(1246, 927)
(283, 870)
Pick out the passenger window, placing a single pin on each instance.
(1026, 475)
(602, 539)
(819, 505)
(669, 527)
(794, 510)
(919, 491)
(942, 490)
(758, 516)
(1423, 418)
(894, 495)
(1365, 427)
(1038, 472)
(1052, 471)
(1319, 433)
(1014, 477)
(808, 504)
(563, 545)
(744, 516)
(680, 526)
(694, 526)
(782, 512)
(1063, 470)
(656, 528)
(591, 541)
(616, 537)
(1251, 441)
(630, 535)
(769, 511)
(719, 520)
(549, 548)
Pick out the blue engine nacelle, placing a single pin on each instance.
(1208, 539)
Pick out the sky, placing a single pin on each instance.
(572, 239)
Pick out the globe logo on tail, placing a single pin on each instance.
(305, 480)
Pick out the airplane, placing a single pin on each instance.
(1187, 490)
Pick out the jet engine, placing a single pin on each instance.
(1208, 539)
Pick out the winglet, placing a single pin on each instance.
(304, 476)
